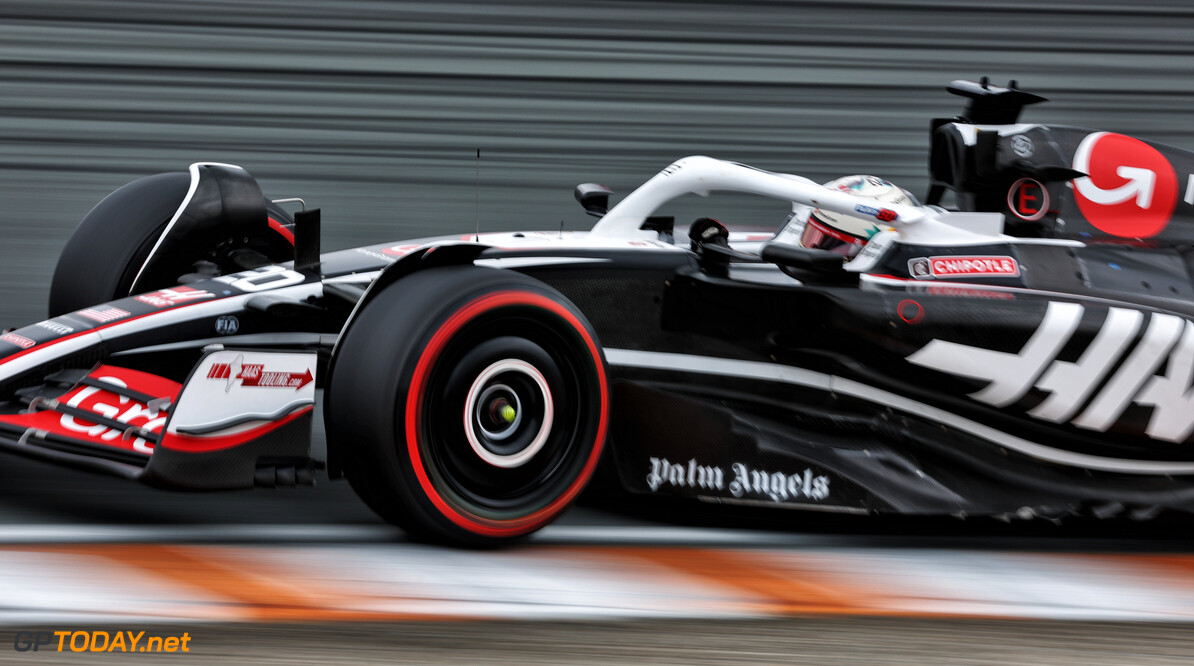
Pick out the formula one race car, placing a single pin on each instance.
(1030, 353)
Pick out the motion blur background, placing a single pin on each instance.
(374, 111)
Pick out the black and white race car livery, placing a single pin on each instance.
(1030, 352)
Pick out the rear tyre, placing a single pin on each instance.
(469, 405)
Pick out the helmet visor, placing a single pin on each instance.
(822, 237)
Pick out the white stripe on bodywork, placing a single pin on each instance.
(194, 169)
(840, 385)
(520, 262)
(151, 321)
(366, 277)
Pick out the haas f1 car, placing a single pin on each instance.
(1028, 351)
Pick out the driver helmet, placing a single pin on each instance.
(846, 234)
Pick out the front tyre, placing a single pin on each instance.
(225, 220)
(470, 404)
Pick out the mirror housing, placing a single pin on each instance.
(594, 198)
(807, 264)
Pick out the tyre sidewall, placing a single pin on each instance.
(399, 348)
(112, 241)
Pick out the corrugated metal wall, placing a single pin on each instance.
(374, 110)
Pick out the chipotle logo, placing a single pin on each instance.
(978, 266)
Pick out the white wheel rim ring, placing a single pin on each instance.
(470, 432)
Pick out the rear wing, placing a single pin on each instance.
(1055, 181)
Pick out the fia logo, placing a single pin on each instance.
(227, 325)
(1071, 384)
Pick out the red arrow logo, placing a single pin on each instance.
(1131, 189)
(254, 374)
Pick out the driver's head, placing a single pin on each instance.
(846, 234)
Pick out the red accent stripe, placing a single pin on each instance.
(469, 522)
(282, 230)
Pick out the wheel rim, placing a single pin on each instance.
(494, 413)
(474, 495)
(533, 365)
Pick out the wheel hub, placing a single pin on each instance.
(499, 412)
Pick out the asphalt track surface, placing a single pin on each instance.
(802, 641)
(375, 111)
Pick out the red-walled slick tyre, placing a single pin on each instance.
(469, 405)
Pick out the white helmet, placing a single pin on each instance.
(846, 234)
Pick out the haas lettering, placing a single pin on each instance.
(1071, 384)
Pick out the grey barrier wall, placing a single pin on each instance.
(374, 111)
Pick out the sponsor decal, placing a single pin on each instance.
(132, 415)
(876, 245)
(164, 298)
(881, 214)
(684, 475)
(227, 325)
(112, 406)
(859, 183)
(1028, 199)
(964, 292)
(964, 267)
(1117, 367)
(742, 481)
(255, 375)
(919, 268)
(18, 340)
(1130, 189)
(375, 254)
(56, 327)
(1022, 146)
(104, 313)
(885, 215)
(228, 387)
